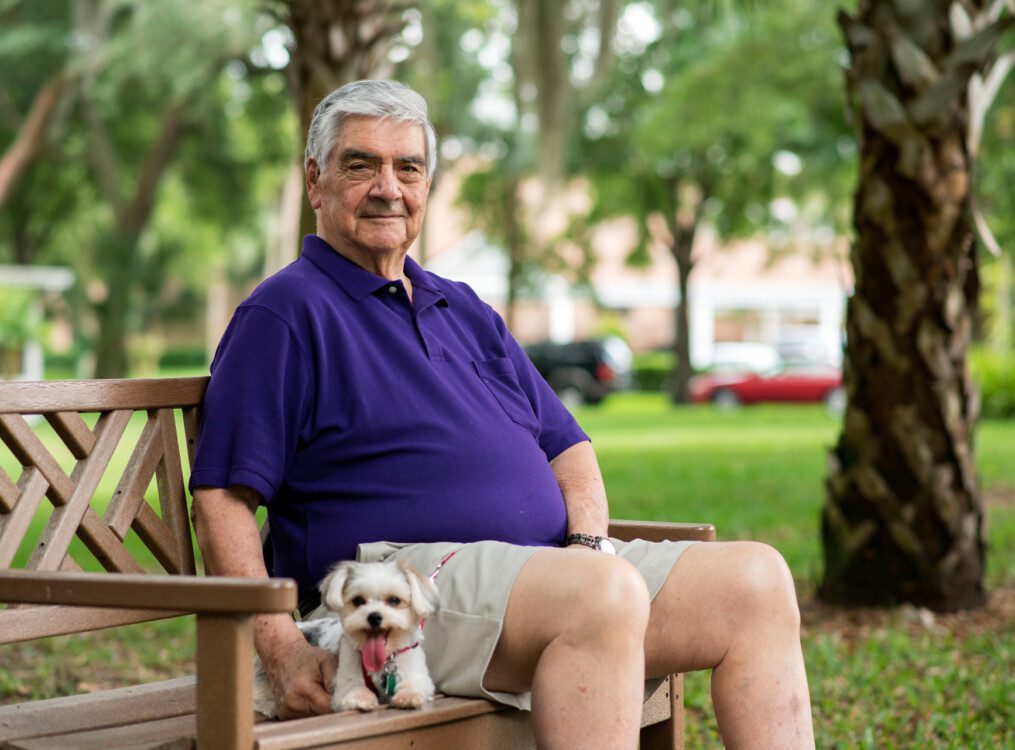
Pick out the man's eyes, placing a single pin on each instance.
(409, 171)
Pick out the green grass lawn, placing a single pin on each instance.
(879, 679)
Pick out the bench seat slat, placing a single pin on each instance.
(501, 730)
(76, 713)
(353, 726)
(177, 733)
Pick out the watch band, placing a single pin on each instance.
(593, 542)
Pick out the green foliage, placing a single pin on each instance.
(85, 202)
(995, 374)
(652, 370)
(17, 323)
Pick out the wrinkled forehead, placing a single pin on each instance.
(385, 136)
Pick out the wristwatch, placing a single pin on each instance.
(598, 543)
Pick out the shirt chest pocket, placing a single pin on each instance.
(501, 379)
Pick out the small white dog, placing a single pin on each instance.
(377, 635)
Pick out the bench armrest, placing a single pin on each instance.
(655, 531)
(210, 595)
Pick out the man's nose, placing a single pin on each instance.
(385, 186)
(374, 619)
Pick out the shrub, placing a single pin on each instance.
(652, 370)
(194, 356)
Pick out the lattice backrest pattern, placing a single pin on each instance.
(154, 454)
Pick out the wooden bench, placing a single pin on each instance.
(97, 420)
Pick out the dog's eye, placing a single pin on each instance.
(358, 601)
(394, 601)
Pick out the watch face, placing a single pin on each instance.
(605, 545)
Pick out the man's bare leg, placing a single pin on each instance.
(732, 607)
(574, 633)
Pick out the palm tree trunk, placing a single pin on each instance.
(904, 517)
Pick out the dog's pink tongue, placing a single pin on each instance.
(373, 653)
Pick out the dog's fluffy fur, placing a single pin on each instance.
(379, 607)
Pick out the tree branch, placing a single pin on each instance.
(103, 156)
(32, 133)
(136, 214)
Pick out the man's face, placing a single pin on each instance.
(371, 196)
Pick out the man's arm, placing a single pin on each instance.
(581, 484)
(227, 533)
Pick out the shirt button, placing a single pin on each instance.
(392, 289)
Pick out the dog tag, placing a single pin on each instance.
(390, 682)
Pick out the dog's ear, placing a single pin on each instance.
(426, 599)
(332, 585)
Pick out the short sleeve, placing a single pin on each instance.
(558, 430)
(257, 401)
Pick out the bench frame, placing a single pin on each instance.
(53, 597)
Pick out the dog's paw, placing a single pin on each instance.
(409, 699)
(359, 699)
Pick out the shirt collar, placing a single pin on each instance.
(359, 283)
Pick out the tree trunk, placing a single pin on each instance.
(904, 518)
(515, 247)
(119, 274)
(337, 42)
(32, 134)
(680, 249)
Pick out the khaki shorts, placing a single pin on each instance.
(475, 584)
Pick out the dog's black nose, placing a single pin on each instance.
(374, 619)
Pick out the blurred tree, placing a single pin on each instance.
(149, 82)
(36, 91)
(34, 87)
(551, 66)
(904, 517)
(447, 76)
(729, 118)
(149, 102)
(337, 42)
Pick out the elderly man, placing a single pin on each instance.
(383, 412)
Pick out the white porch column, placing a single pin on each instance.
(702, 324)
(561, 311)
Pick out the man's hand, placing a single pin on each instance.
(301, 677)
(300, 674)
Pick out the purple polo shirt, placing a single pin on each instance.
(359, 416)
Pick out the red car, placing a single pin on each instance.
(788, 382)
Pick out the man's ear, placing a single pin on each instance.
(313, 175)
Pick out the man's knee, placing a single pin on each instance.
(611, 597)
(764, 587)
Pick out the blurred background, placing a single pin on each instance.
(606, 169)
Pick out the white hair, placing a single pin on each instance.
(368, 98)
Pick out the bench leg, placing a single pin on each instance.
(225, 680)
(669, 734)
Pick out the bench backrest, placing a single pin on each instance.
(154, 453)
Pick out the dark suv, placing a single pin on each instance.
(583, 372)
